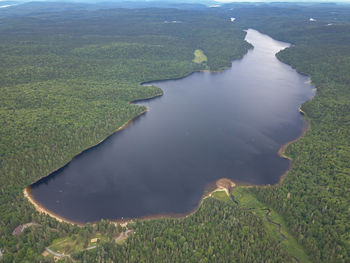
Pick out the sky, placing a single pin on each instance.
(295, 1)
(184, 1)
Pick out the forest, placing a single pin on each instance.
(67, 80)
(314, 197)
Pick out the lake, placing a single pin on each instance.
(205, 127)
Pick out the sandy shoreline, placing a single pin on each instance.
(222, 184)
(40, 208)
(219, 187)
(281, 151)
(43, 210)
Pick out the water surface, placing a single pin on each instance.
(206, 126)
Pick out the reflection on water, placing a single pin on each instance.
(205, 127)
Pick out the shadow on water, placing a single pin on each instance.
(204, 127)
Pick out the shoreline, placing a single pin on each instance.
(281, 152)
(42, 210)
(222, 184)
(145, 83)
(218, 187)
(101, 141)
(220, 70)
(305, 128)
(283, 148)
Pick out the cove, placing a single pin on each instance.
(205, 127)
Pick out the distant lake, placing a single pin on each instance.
(205, 127)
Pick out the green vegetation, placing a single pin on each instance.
(66, 83)
(67, 245)
(219, 231)
(314, 197)
(246, 199)
(75, 243)
(221, 195)
(199, 57)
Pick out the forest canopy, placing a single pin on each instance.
(67, 78)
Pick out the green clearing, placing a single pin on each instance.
(199, 57)
(75, 243)
(67, 245)
(248, 200)
(221, 195)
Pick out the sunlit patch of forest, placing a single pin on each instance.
(199, 57)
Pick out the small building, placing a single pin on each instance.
(94, 240)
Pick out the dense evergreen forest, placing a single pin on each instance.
(314, 198)
(219, 231)
(66, 82)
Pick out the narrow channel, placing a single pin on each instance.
(205, 127)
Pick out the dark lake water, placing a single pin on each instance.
(206, 126)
